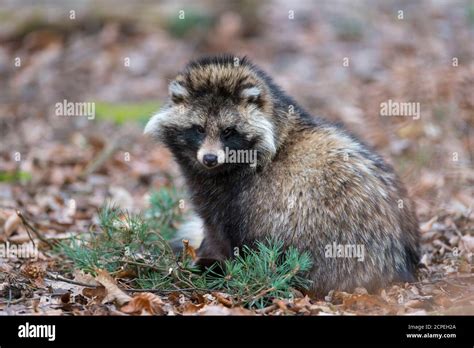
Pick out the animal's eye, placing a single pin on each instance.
(228, 132)
(200, 129)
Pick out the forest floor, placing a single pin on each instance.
(56, 173)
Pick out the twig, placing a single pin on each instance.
(268, 309)
(137, 263)
(160, 290)
(103, 156)
(12, 302)
(263, 293)
(29, 228)
(57, 277)
(5, 206)
(143, 264)
(52, 276)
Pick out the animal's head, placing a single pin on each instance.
(219, 114)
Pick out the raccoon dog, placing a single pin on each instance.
(257, 166)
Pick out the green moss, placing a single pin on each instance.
(348, 28)
(21, 176)
(470, 12)
(193, 20)
(121, 113)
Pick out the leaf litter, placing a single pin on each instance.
(68, 168)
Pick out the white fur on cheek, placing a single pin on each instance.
(156, 122)
(265, 128)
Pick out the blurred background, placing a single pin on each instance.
(121, 55)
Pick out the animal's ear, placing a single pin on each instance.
(252, 94)
(177, 91)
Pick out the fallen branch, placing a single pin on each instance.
(57, 277)
(102, 157)
(29, 227)
(268, 309)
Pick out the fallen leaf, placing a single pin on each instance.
(11, 224)
(222, 298)
(365, 302)
(416, 304)
(148, 302)
(189, 250)
(113, 291)
(222, 310)
(426, 227)
(80, 276)
(190, 308)
(98, 293)
(464, 266)
(66, 298)
(467, 243)
(443, 301)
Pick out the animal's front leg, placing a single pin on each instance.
(214, 248)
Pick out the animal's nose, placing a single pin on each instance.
(210, 160)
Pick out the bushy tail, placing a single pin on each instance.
(192, 230)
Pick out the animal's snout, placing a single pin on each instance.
(210, 160)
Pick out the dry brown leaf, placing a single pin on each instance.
(175, 298)
(222, 298)
(113, 291)
(443, 301)
(189, 250)
(11, 224)
(190, 308)
(364, 302)
(144, 302)
(426, 227)
(80, 276)
(464, 266)
(304, 305)
(199, 298)
(467, 243)
(222, 310)
(98, 293)
(126, 273)
(282, 304)
(415, 304)
(20, 237)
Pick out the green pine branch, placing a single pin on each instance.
(137, 245)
